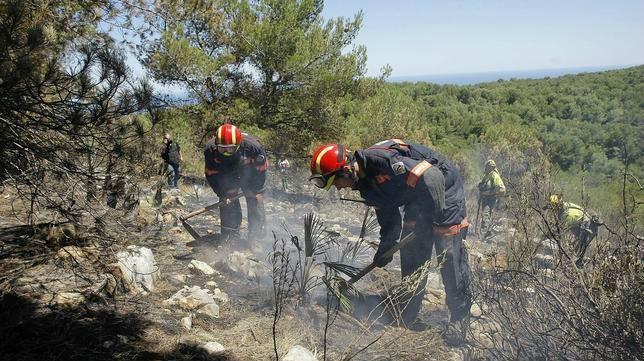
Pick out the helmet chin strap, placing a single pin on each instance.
(351, 172)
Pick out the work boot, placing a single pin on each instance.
(229, 236)
(419, 326)
(455, 332)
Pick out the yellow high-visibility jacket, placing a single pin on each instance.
(571, 214)
(492, 184)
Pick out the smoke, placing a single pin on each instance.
(285, 212)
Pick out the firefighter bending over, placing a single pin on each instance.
(234, 161)
(394, 173)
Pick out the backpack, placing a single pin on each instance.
(172, 151)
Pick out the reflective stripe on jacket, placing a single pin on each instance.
(383, 188)
(228, 172)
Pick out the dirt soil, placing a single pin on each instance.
(59, 307)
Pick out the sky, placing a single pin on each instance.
(419, 37)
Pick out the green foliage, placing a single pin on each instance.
(589, 125)
(283, 73)
(65, 101)
(573, 117)
(387, 113)
(275, 65)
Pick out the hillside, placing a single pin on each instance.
(135, 226)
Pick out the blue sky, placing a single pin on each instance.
(420, 37)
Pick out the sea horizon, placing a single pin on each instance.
(492, 76)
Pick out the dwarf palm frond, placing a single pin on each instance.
(316, 238)
(352, 250)
(346, 269)
(341, 290)
(369, 223)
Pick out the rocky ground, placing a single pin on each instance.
(160, 294)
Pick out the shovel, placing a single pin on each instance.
(188, 227)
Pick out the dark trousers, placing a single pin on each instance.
(488, 205)
(174, 171)
(584, 234)
(454, 266)
(256, 216)
(231, 216)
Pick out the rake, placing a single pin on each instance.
(188, 227)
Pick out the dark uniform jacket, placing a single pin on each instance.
(170, 153)
(388, 179)
(246, 168)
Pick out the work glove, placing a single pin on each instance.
(383, 247)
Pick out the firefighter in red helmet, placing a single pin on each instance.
(234, 161)
(396, 173)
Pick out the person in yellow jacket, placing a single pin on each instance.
(491, 188)
(582, 225)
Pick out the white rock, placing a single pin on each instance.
(196, 299)
(138, 268)
(108, 344)
(220, 296)
(434, 280)
(211, 284)
(199, 267)
(211, 310)
(475, 310)
(176, 280)
(213, 348)
(186, 322)
(299, 353)
(240, 263)
(71, 299)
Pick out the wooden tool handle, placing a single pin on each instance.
(212, 206)
(390, 252)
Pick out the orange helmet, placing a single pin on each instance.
(228, 139)
(327, 161)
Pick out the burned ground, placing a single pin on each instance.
(64, 300)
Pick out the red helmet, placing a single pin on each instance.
(228, 139)
(326, 162)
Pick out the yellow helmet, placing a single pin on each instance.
(554, 200)
(490, 163)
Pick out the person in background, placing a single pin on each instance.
(171, 154)
(491, 189)
(284, 165)
(575, 219)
